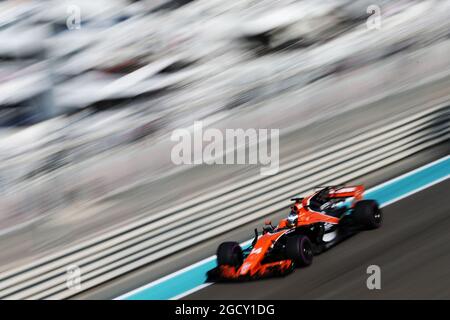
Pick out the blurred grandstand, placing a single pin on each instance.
(136, 70)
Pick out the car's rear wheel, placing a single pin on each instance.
(230, 253)
(368, 214)
(300, 250)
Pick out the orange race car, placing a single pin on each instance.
(314, 224)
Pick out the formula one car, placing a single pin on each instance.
(314, 224)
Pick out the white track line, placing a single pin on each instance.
(407, 174)
(415, 191)
(174, 274)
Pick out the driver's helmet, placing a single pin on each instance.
(292, 219)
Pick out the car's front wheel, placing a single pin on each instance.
(300, 250)
(230, 253)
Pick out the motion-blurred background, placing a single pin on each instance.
(90, 92)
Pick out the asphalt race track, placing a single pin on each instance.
(412, 248)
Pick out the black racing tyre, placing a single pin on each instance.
(368, 214)
(229, 253)
(300, 249)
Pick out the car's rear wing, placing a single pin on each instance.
(347, 192)
(342, 191)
